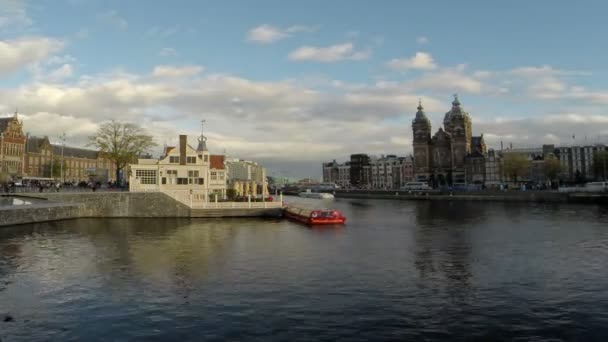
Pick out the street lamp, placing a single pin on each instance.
(1, 151)
(62, 137)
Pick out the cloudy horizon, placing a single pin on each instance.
(292, 85)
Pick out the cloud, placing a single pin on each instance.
(551, 128)
(174, 71)
(333, 53)
(164, 32)
(15, 54)
(13, 15)
(267, 34)
(112, 18)
(168, 52)
(422, 40)
(420, 61)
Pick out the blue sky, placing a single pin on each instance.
(294, 83)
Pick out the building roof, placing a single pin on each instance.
(217, 162)
(74, 152)
(34, 144)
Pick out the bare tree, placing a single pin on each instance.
(121, 143)
(515, 165)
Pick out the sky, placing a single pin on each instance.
(294, 83)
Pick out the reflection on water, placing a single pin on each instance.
(398, 270)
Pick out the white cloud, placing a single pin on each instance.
(113, 18)
(15, 54)
(267, 34)
(164, 32)
(329, 54)
(422, 40)
(176, 71)
(168, 52)
(420, 61)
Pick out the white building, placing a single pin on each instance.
(247, 173)
(578, 159)
(181, 169)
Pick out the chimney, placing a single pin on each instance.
(183, 141)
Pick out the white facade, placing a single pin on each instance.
(245, 170)
(182, 168)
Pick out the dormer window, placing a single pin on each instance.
(174, 159)
(191, 160)
(206, 158)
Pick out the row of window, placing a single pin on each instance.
(189, 159)
(11, 149)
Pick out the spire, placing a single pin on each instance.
(16, 116)
(455, 103)
(202, 140)
(420, 115)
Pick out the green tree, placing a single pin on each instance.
(515, 165)
(600, 165)
(54, 168)
(553, 167)
(121, 143)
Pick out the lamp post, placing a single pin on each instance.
(62, 137)
(1, 151)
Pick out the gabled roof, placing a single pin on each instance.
(34, 144)
(217, 162)
(74, 152)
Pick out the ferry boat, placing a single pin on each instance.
(318, 195)
(314, 217)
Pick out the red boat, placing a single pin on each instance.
(314, 217)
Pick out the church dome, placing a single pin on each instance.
(420, 115)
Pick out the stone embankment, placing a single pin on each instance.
(502, 196)
(60, 206)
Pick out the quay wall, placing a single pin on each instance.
(113, 205)
(506, 196)
(22, 214)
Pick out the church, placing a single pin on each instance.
(440, 159)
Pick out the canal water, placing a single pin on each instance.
(398, 270)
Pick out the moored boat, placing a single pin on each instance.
(314, 217)
(318, 195)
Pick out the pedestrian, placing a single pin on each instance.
(57, 186)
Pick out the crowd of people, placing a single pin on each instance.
(57, 186)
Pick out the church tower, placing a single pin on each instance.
(458, 123)
(421, 127)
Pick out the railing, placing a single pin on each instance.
(198, 199)
(237, 205)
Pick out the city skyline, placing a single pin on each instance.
(291, 85)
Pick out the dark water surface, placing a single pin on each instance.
(398, 271)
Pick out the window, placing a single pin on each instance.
(146, 176)
(206, 158)
(172, 172)
(174, 159)
(193, 176)
(221, 176)
(163, 180)
(201, 181)
(182, 181)
(213, 175)
(191, 160)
